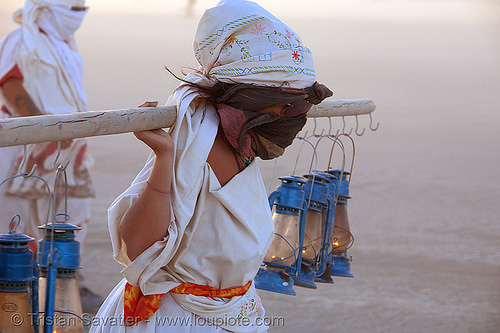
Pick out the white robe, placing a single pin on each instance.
(217, 235)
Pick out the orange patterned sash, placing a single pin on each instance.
(137, 306)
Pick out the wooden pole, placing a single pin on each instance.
(25, 130)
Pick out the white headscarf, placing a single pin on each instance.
(50, 63)
(239, 41)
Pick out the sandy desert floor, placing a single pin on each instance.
(425, 187)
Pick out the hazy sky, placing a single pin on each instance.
(462, 10)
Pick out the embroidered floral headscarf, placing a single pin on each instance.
(239, 41)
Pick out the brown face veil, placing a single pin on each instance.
(266, 135)
(259, 134)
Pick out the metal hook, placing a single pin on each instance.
(330, 129)
(57, 158)
(357, 126)
(23, 164)
(371, 122)
(314, 130)
(343, 127)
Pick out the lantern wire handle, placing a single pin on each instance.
(14, 230)
(60, 169)
(337, 141)
(314, 158)
(272, 176)
(357, 126)
(31, 175)
(301, 138)
(305, 139)
(309, 195)
(371, 123)
(353, 155)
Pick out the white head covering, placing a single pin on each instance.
(239, 41)
(50, 63)
(55, 17)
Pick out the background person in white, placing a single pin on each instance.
(41, 72)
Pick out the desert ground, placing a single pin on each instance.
(425, 186)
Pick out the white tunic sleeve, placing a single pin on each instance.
(193, 135)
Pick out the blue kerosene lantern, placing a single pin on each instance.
(342, 239)
(59, 255)
(317, 230)
(283, 258)
(18, 282)
(326, 277)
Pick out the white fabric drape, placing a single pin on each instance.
(218, 236)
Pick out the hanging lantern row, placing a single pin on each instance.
(311, 229)
(49, 284)
(312, 233)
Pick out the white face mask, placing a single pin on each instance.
(60, 21)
